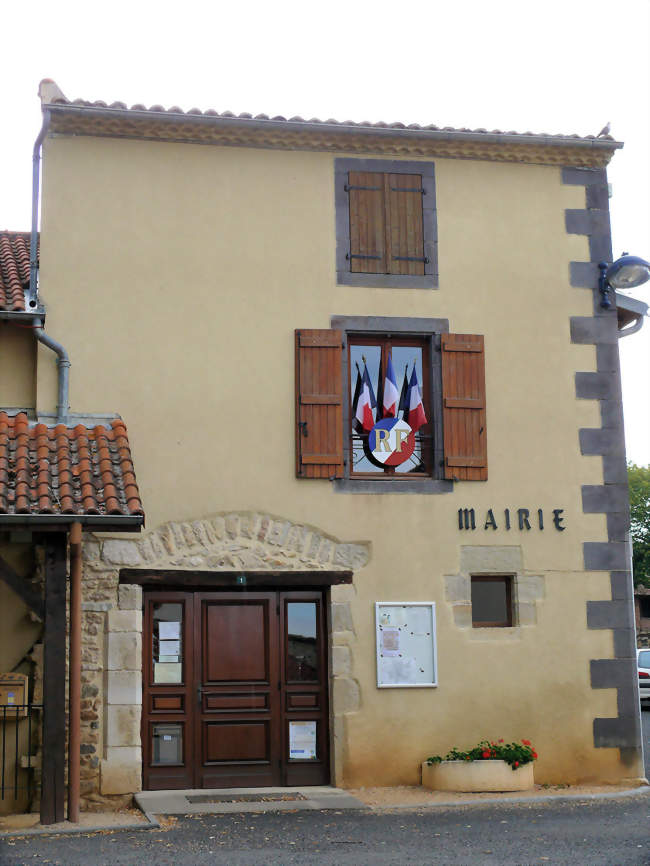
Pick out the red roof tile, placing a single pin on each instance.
(14, 270)
(61, 470)
(51, 95)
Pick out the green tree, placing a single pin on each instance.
(639, 481)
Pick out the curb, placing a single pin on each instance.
(501, 801)
(152, 824)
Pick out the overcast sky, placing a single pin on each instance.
(567, 67)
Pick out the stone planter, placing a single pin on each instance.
(476, 776)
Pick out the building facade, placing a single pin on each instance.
(317, 596)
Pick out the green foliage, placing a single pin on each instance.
(514, 754)
(639, 482)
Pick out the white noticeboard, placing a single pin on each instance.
(406, 644)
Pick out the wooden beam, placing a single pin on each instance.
(22, 589)
(53, 776)
(232, 579)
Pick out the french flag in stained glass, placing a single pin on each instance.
(365, 403)
(391, 394)
(414, 414)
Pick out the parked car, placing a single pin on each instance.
(643, 662)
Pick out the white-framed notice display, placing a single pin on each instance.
(406, 644)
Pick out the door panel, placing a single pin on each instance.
(235, 689)
(236, 667)
(168, 689)
(304, 686)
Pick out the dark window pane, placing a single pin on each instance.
(491, 601)
(302, 652)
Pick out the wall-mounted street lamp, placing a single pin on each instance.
(625, 273)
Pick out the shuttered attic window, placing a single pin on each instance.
(386, 223)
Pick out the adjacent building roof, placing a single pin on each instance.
(59, 471)
(14, 270)
(82, 117)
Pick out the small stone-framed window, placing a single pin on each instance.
(492, 601)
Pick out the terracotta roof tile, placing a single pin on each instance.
(14, 270)
(61, 470)
(61, 100)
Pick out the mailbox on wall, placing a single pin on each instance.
(13, 696)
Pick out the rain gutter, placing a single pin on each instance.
(335, 128)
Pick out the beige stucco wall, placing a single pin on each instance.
(175, 276)
(17, 367)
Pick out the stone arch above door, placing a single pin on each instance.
(112, 627)
(233, 540)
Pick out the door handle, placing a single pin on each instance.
(199, 694)
(303, 428)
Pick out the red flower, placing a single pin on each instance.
(526, 742)
(534, 754)
(493, 753)
(501, 741)
(516, 763)
(485, 754)
(467, 757)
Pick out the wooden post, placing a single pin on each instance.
(74, 675)
(53, 773)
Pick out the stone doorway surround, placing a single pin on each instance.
(111, 747)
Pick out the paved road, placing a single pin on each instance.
(592, 832)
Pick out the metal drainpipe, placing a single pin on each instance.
(63, 364)
(33, 241)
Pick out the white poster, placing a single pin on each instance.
(169, 630)
(389, 641)
(302, 741)
(169, 648)
(167, 672)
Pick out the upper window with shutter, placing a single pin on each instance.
(365, 372)
(385, 223)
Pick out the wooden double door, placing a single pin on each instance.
(235, 689)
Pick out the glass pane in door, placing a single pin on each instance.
(302, 648)
(167, 642)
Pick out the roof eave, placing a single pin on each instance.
(98, 522)
(333, 128)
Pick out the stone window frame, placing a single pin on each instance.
(344, 277)
(528, 589)
(397, 326)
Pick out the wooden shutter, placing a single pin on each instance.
(319, 419)
(404, 219)
(463, 402)
(367, 223)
